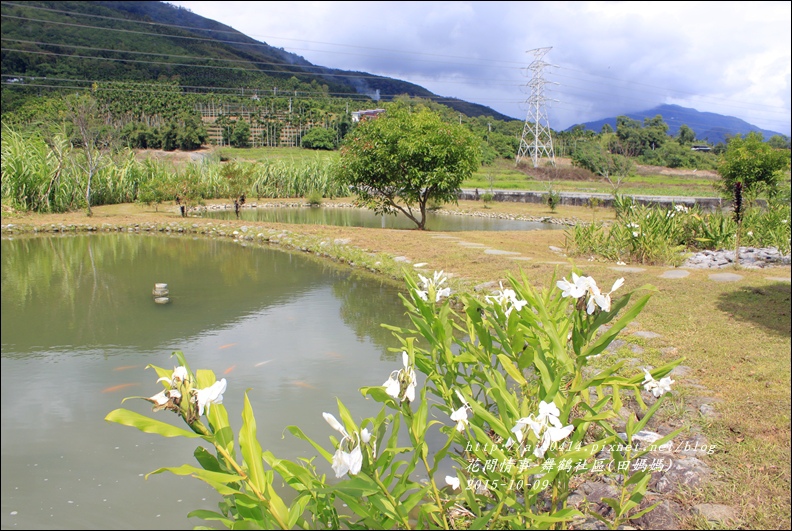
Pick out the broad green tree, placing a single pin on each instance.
(319, 138)
(685, 136)
(754, 163)
(402, 160)
(240, 137)
(779, 142)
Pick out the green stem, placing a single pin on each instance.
(405, 522)
(436, 493)
(198, 427)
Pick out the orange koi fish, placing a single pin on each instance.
(228, 345)
(126, 367)
(228, 370)
(300, 383)
(119, 387)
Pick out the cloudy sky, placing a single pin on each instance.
(607, 58)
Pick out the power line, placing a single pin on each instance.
(237, 32)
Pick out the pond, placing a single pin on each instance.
(79, 326)
(360, 217)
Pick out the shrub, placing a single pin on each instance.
(504, 382)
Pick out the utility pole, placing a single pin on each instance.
(537, 127)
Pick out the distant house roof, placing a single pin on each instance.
(368, 113)
(700, 148)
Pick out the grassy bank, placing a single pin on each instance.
(735, 336)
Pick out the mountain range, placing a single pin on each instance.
(144, 41)
(76, 43)
(708, 126)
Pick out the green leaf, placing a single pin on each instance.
(251, 449)
(218, 480)
(146, 424)
(605, 339)
(512, 370)
(297, 432)
(378, 394)
(204, 514)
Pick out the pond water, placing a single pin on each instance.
(360, 217)
(79, 326)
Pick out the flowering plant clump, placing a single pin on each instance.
(506, 375)
(431, 287)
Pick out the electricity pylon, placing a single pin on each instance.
(537, 127)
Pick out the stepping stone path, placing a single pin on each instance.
(725, 277)
(675, 273)
(498, 251)
(646, 334)
(629, 269)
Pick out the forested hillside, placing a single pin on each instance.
(52, 46)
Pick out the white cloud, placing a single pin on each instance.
(613, 57)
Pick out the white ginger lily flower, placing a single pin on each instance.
(525, 422)
(346, 462)
(337, 426)
(211, 395)
(507, 299)
(160, 399)
(180, 374)
(552, 434)
(406, 375)
(434, 283)
(546, 426)
(658, 389)
(575, 289)
(392, 386)
(452, 481)
(548, 414)
(603, 300)
(460, 417)
(350, 463)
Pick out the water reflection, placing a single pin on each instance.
(79, 326)
(358, 217)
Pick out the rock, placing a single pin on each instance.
(646, 334)
(707, 410)
(716, 513)
(664, 516)
(689, 472)
(595, 491)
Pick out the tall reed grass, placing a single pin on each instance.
(43, 175)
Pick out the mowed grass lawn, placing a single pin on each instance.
(734, 336)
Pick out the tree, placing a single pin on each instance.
(240, 137)
(779, 142)
(685, 136)
(753, 163)
(595, 158)
(401, 160)
(94, 138)
(319, 138)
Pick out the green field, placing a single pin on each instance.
(504, 175)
